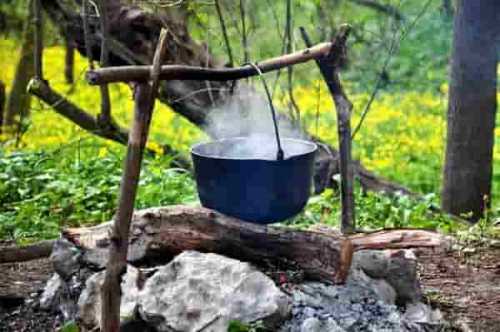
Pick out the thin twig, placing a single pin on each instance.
(224, 33)
(294, 108)
(246, 56)
(270, 4)
(207, 60)
(284, 48)
(318, 103)
(192, 93)
(391, 52)
(383, 8)
(209, 323)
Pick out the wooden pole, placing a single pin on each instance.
(111, 293)
(105, 115)
(144, 97)
(181, 72)
(329, 69)
(86, 33)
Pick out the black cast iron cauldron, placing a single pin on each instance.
(256, 189)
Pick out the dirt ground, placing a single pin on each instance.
(466, 288)
(20, 288)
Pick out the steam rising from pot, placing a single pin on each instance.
(248, 115)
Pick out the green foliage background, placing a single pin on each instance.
(55, 175)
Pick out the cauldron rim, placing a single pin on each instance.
(311, 145)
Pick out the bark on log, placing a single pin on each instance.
(162, 233)
(26, 253)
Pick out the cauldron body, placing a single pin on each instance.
(255, 190)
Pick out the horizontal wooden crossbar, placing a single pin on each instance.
(181, 72)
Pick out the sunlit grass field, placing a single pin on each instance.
(57, 174)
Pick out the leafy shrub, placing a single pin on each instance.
(42, 192)
(375, 211)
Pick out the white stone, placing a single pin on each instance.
(89, 303)
(315, 325)
(51, 292)
(198, 290)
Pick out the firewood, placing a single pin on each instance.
(165, 232)
(25, 253)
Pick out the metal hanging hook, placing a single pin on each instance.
(280, 154)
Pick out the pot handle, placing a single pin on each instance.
(280, 154)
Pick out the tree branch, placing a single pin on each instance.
(224, 33)
(89, 123)
(383, 8)
(244, 41)
(180, 72)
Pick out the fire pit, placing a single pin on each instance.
(241, 178)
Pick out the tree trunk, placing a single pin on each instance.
(471, 108)
(18, 102)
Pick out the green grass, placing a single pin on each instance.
(42, 192)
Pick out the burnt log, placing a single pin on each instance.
(159, 234)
